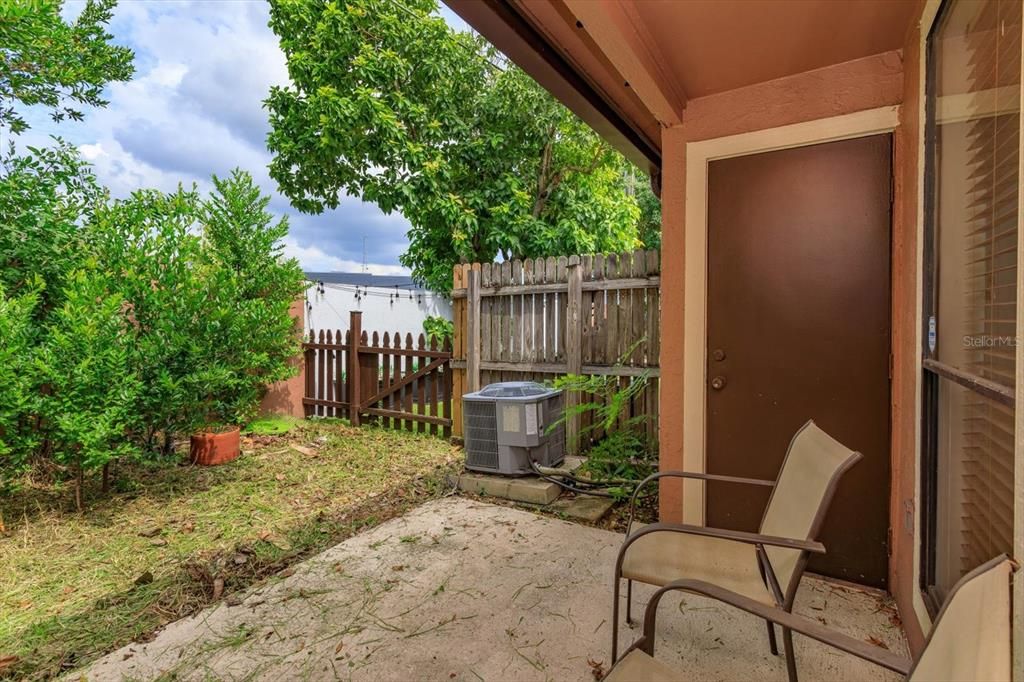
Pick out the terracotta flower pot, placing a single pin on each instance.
(208, 449)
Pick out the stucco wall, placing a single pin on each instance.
(285, 397)
(868, 83)
(384, 310)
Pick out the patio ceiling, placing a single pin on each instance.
(629, 68)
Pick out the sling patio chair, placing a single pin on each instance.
(969, 640)
(765, 566)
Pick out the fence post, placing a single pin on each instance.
(473, 343)
(458, 382)
(355, 328)
(574, 347)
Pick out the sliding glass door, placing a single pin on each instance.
(972, 176)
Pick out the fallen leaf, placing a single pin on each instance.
(240, 559)
(340, 646)
(8, 661)
(877, 642)
(287, 572)
(279, 477)
(188, 527)
(399, 567)
(596, 668)
(68, 589)
(144, 579)
(218, 588)
(150, 532)
(159, 542)
(264, 535)
(301, 449)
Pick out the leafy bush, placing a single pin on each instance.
(625, 453)
(90, 371)
(621, 455)
(254, 287)
(440, 328)
(45, 196)
(18, 397)
(129, 323)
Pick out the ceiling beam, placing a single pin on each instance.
(500, 23)
(618, 34)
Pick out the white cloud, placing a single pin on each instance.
(194, 109)
(314, 259)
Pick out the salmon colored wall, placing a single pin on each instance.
(868, 83)
(285, 397)
(906, 352)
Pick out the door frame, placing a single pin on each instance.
(698, 155)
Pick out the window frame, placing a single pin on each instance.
(932, 370)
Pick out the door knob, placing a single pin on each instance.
(718, 383)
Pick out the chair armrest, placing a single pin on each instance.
(736, 535)
(687, 474)
(809, 628)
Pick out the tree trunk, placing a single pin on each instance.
(79, 481)
(106, 478)
(168, 446)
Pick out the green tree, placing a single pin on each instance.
(55, 64)
(208, 293)
(386, 102)
(90, 370)
(45, 197)
(19, 398)
(148, 243)
(649, 225)
(252, 288)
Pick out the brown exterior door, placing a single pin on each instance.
(798, 328)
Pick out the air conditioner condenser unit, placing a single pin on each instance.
(508, 424)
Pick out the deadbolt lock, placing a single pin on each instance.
(718, 354)
(718, 383)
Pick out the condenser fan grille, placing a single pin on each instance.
(481, 434)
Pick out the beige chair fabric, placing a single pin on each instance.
(660, 558)
(971, 637)
(970, 642)
(813, 460)
(636, 666)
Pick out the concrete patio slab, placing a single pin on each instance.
(461, 590)
(584, 507)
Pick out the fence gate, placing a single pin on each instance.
(399, 384)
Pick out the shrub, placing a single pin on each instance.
(155, 267)
(89, 368)
(625, 454)
(440, 328)
(18, 396)
(129, 323)
(252, 288)
(45, 196)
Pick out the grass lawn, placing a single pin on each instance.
(172, 539)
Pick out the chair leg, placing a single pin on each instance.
(772, 644)
(629, 602)
(615, 620)
(787, 643)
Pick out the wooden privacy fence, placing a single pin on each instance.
(535, 319)
(400, 385)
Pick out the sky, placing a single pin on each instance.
(194, 108)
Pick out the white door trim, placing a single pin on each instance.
(698, 154)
